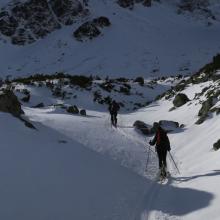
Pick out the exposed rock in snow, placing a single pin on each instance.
(25, 22)
(91, 29)
(180, 100)
(143, 127)
(130, 3)
(9, 103)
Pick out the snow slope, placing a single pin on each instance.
(192, 195)
(145, 41)
(45, 175)
(78, 167)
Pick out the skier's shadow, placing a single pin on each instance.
(186, 179)
(174, 201)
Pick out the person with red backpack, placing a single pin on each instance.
(113, 110)
(162, 146)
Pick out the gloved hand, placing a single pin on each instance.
(150, 142)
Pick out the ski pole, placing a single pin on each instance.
(151, 149)
(148, 157)
(174, 162)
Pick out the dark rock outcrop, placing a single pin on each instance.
(87, 30)
(197, 7)
(66, 10)
(9, 103)
(130, 3)
(91, 29)
(83, 112)
(180, 100)
(204, 110)
(139, 80)
(216, 146)
(206, 106)
(25, 22)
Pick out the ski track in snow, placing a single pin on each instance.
(123, 144)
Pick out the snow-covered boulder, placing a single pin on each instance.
(143, 127)
(169, 125)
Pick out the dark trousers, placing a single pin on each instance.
(114, 118)
(162, 155)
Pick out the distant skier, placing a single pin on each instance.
(162, 146)
(113, 110)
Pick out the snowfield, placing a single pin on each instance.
(78, 167)
(75, 167)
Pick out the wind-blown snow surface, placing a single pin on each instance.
(91, 185)
(144, 41)
(42, 177)
(64, 170)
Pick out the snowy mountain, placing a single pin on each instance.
(75, 166)
(167, 38)
(63, 62)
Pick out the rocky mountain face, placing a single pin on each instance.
(199, 7)
(25, 22)
(130, 3)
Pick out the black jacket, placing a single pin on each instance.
(161, 140)
(114, 108)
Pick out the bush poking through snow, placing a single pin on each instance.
(73, 110)
(180, 100)
(216, 146)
